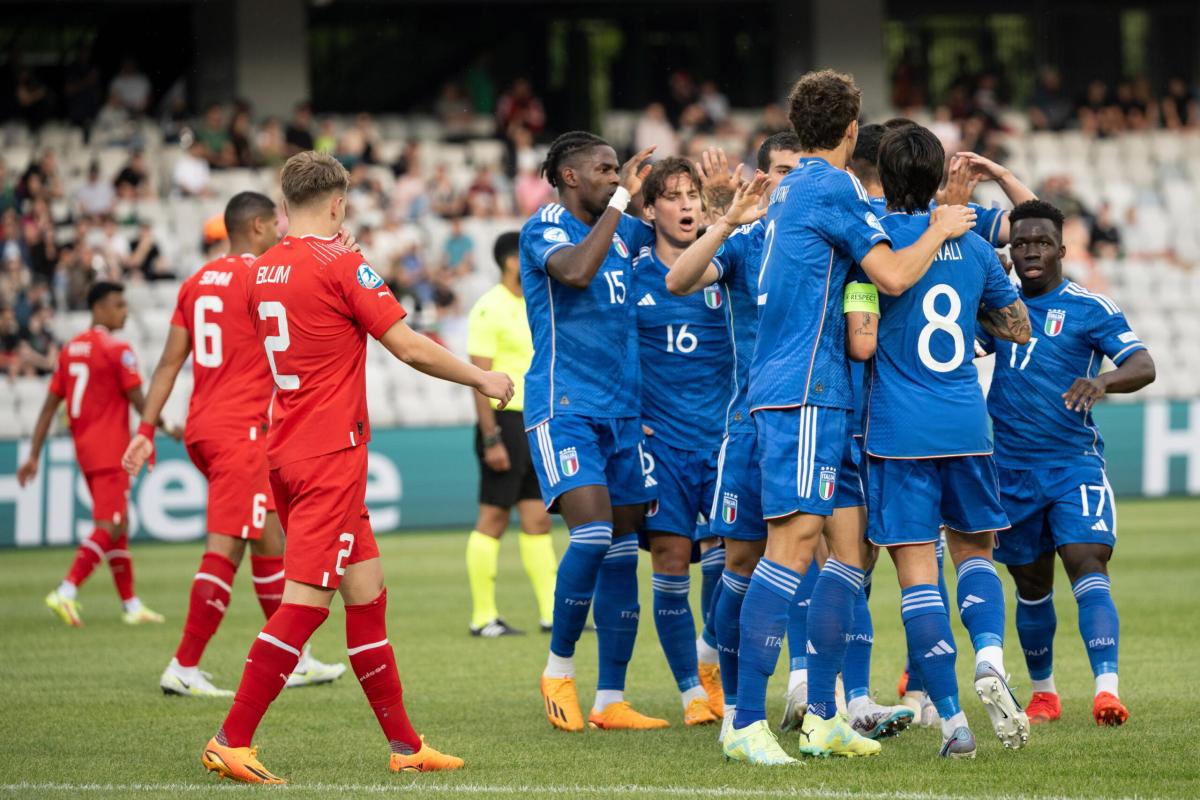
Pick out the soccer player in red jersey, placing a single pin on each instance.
(313, 301)
(226, 438)
(97, 375)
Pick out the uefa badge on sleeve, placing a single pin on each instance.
(1054, 321)
(729, 508)
(828, 483)
(568, 460)
(367, 277)
(713, 298)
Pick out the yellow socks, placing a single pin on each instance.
(541, 565)
(483, 552)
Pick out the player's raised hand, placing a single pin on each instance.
(138, 452)
(346, 239)
(717, 183)
(746, 205)
(27, 471)
(983, 168)
(953, 221)
(960, 183)
(1084, 393)
(635, 170)
(497, 386)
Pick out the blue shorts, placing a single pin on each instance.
(1054, 506)
(851, 491)
(800, 451)
(683, 481)
(736, 511)
(912, 498)
(570, 451)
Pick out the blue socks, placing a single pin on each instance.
(764, 622)
(856, 668)
(832, 606)
(676, 628)
(797, 628)
(915, 682)
(1098, 622)
(931, 645)
(616, 611)
(1036, 624)
(981, 604)
(712, 564)
(576, 583)
(727, 617)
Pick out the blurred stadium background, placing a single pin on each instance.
(125, 126)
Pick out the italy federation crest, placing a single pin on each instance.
(729, 508)
(619, 243)
(828, 483)
(568, 461)
(652, 508)
(1054, 321)
(713, 296)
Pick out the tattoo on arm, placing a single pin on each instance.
(717, 199)
(1010, 323)
(867, 328)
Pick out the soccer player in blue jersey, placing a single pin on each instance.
(818, 225)
(687, 369)
(1050, 457)
(582, 413)
(929, 451)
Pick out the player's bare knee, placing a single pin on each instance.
(1033, 581)
(493, 520)
(968, 545)
(742, 557)
(534, 519)
(226, 546)
(585, 504)
(1085, 559)
(670, 554)
(627, 519)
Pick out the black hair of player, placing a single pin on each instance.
(1038, 209)
(245, 207)
(507, 244)
(897, 122)
(100, 290)
(563, 149)
(865, 158)
(821, 107)
(784, 140)
(911, 163)
(655, 183)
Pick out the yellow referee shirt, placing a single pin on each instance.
(498, 329)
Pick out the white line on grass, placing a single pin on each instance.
(482, 789)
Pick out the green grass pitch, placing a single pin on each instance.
(83, 716)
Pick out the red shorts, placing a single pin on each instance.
(321, 507)
(239, 491)
(110, 495)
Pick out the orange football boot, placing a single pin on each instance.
(698, 713)
(1043, 707)
(236, 763)
(1107, 709)
(424, 760)
(621, 717)
(710, 679)
(562, 703)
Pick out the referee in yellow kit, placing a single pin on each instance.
(498, 338)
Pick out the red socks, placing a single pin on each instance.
(374, 662)
(121, 564)
(270, 661)
(267, 572)
(211, 589)
(90, 553)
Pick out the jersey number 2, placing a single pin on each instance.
(272, 309)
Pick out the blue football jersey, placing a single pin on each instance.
(1073, 329)
(987, 220)
(687, 358)
(738, 260)
(818, 225)
(924, 398)
(585, 358)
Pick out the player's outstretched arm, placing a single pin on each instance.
(41, 430)
(495, 454)
(860, 303)
(425, 355)
(895, 271)
(576, 266)
(694, 270)
(1010, 323)
(1135, 372)
(1016, 191)
(174, 354)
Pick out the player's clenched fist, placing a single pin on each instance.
(954, 221)
(497, 386)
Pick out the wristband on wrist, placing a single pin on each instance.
(620, 199)
(860, 297)
(147, 430)
(492, 439)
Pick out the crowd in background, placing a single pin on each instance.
(59, 231)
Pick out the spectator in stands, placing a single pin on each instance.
(1090, 110)
(483, 195)
(529, 188)
(96, 197)
(1050, 109)
(38, 236)
(519, 106)
(113, 247)
(1132, 111)
(298, 136)
(10, 340)
(145, 260)
(908, 81)
(454, 112)
(271, 143)
(359, 142)
(14, 279)
(1106, 236)
(458, 251)
(681, 93)
(41, 179)
(131, 88)
(82, 94)
(714, 103)
(191, 176)
(326, 141)
(1179, 108)
(411, 277)
(653, 128)
(114, 125)
(365, 194)
(35, 103)
(35, 296)
(133, 182)
(173, 111)
(1057, 191)
(12, 245)
(774, 120)
(444, 198)
(75, 275)
(1144, 97)
(214, 136)
(37, 352)
(410, 195)
(241, 139)
(8, 190)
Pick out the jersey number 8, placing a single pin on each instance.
(947, 322)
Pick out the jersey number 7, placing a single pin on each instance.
(269, 309)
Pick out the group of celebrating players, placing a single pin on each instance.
(772, 376)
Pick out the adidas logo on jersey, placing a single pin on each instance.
(809, 649)
(1100, 525)
(971, 600)
(940, 649)
(648, 300)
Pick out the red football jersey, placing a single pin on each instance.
(233, 384)
(94, 372)
(313, 302)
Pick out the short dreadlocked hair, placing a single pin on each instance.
(1037, 209)
(563, 148)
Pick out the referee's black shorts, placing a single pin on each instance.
(506, 489)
